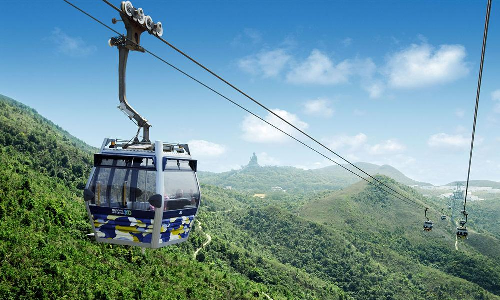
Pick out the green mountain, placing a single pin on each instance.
(256, 178)
(354, 243)
(365, 242)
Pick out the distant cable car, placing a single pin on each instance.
(427, 223)
(143, 195)
(462, 231)
(443, 216)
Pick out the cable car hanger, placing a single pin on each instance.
(135, 23)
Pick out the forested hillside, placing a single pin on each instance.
(354, 243)
(364, 241)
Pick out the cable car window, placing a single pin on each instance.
(181, 189)
(123, 187)
(177, 164)
(124, 162)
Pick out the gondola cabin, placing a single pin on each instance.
(428, 225)
(462, 232)
(443, 217)
(142, 194)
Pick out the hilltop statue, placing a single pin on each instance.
(253, 161)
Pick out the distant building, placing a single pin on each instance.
(228, 187)
(277, 189)
(261, 196)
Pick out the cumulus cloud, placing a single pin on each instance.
(71, 46)
(267, 160)
(202, 148)
(319, 69)
(352, 142)
(318, 107)
(265, 63)
(423, 65)
(387, 147)
(374, 89)
(254, 130)
(495, 95)
(443, 140)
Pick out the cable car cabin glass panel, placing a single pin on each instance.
(181, 199)
(120, 209)
(124, 183)
(180, 186)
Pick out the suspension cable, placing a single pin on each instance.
(483, 50)
(377, 182)
(261, 105)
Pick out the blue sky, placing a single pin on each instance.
(387, 82)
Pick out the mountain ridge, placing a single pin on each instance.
(266, 178)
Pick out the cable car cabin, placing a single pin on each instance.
(443, 217)
(143, 195)
(428, 225)
(462, 232)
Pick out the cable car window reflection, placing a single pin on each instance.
(176, 164)
(126, 183)
(181, 187)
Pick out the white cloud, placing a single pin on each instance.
(443, 140)
(386, 147)
(202, 148)
(341, 141)
(423, 65)
(71, 46)
(495, 95)
(319, 69)
(253, 34)
(375, 89)
(267, 160)
(265, 63)
(254, 130)
(318, 107)
(249, 35)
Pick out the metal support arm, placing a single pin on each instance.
(124, 106)
(124, 45)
